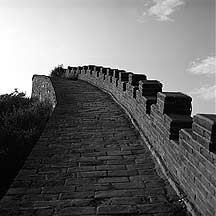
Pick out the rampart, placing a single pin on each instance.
(184, 146)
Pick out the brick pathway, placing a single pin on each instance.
(89, 161)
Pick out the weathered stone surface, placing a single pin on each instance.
(89, 161)
(43, 90)
(186, 147)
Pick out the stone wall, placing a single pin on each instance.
(43, 90)
(185, 146)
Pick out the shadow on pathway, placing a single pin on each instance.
(90, 160)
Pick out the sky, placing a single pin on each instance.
(172, 41)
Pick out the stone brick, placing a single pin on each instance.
(151, 208)
(119, 193)
(122, 173)
(57, 189)
(110, 157)
(113, 179)
(126, 185)
(77, 195)
(76, 211)
(116, 210)
(110, 167)
(119, 153)
(92, 174)
(89, 137)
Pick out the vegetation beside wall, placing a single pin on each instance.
(22, 120)
(68, 73)
(58, 71)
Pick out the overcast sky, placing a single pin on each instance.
(169, 40)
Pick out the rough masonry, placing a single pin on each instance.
(93, 144)
(185, 146)
(90, 160)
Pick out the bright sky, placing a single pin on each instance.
(169, 40)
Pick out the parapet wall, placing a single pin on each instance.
(43, 90)
(186, 146)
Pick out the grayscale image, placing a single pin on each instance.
(107, 107)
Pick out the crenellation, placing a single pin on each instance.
(84, 68)
(123, 76)
(150, 87)
(111, 72)
(129, 90)
(67, 73)
(174, 123)
(70, 73)
(103, 70)
(174, 103)
(116, 73)
(186, 145)
(74, 70)
(135, 78)
(97, 71)
(145, 101)
(91, 67)
(204, 130)
(134, 90)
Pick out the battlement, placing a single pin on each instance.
(186, 145)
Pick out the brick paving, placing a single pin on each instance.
(90, 160)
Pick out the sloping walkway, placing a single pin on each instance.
(89, 161)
